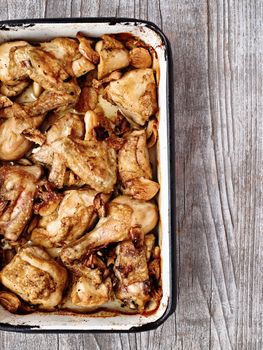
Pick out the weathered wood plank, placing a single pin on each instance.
(217, 52)
(247, 66)
(206, 279)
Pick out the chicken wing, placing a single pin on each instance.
(38, 65)
(92, 161)
(86, 49)
(17, 189)
(70, 219)
(19, 118)
(35, 277)
(113, 55)
(135, 95)
(5, 49)
(66, 124)
(13, 144)
(134, 167)
(65, 50)
(123, 213)
(46, 70)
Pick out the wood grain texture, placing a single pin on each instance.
(217, 52)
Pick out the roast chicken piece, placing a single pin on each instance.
(131, 263)
(91, 160)
(134, 167)
(135, 95)
(123, 214)
(65, 124)
(86, 49)
(43, 68)
(113, 55)
(131, 271)
(35, 277)
(13, 144)
(66, 50)
(14, 90)
(70, 219)
(17, 189)
(91, 284)
(38, 65)
(46, 71)
(5, 101)
(5, 49)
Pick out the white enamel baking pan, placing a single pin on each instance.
(41, 30)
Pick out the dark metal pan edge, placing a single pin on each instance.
(5, 25)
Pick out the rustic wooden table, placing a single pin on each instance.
(217, 52)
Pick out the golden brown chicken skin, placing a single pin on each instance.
(92, 160)
(65, 124)
(5, 50)
(134, 167)
(70, 219)
(123, 214)
(18, 186)
(45, 70)
(135, 95)
(13, 143)
(35, 277)
(92, 285)
(131, 271)
(113, 55)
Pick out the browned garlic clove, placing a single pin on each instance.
(9, 301)
(140, 58)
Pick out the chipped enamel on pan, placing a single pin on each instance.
(43, 30)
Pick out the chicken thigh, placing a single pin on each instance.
(35, 277)
(91, 284)
(135, 95)
(131, 271)
(18, 186)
